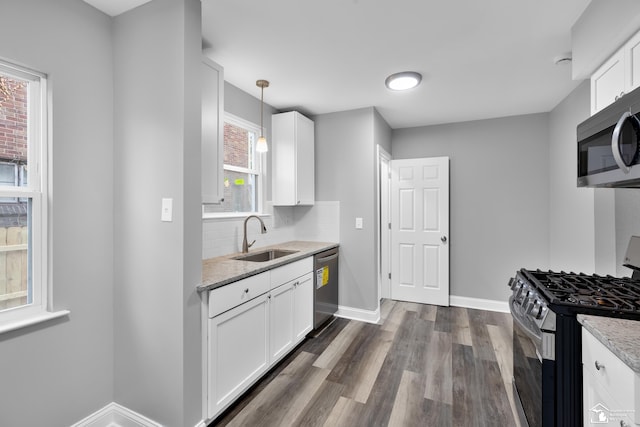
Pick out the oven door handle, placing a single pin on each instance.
(537, 338)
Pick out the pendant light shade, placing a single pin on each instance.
(261, 146)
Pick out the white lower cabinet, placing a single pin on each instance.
(303, 307)
(291, 315)
(238, 351)
(610, 388)
(281, 309)
(252, 335)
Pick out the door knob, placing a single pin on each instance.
(444, 239)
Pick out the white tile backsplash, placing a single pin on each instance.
(321, 222)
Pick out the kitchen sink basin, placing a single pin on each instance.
(265, 255)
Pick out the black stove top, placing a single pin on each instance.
(571, 293)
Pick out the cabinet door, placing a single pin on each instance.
(293, 175)
(303, 307)
(608, 82)
(632, 62)
(283, 159)
(305, 172)
(281, 310)
(596, 401)
(238, 351)
(212, 131)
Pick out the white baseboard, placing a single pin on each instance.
(114, 415)
(479, 303)
(369, 316)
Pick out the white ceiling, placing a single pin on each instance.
(479, 59)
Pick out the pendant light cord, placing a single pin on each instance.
(261, 111)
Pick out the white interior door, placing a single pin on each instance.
(384, 241)
(420, 230)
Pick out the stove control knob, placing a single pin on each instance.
(527, 298)
(530, 307)
(520, 292)
(538, 310)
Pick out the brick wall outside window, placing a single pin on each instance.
(236, 146)
(13, 122)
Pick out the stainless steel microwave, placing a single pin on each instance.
(609, 145)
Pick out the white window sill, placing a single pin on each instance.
(233, 215)
(32, 320)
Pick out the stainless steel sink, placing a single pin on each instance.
(265, 255)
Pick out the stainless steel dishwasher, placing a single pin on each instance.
(325, 296)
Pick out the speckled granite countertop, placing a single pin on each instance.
(621, 336)
(223, 270)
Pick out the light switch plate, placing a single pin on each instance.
(359, 223)
(167, 210)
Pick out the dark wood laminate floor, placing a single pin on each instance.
(422, 365)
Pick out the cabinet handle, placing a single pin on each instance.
(246, 291)
(295, 285)
(599, 365)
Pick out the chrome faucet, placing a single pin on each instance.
(245, 245)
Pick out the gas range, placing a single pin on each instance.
(570, 293)
(547, 338)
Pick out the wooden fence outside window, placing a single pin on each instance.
(13, 267)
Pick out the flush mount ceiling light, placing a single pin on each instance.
(403, 81)
(261, 146)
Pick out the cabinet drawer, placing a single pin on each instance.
(616, 378)
(291, 271)
(236, 293)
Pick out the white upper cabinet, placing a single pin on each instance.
(293, 170)
(607, 83)
(619, 75)
(212, 131)
(632, 61)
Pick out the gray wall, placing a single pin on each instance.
(56, 373)
(499, 206)
(345, 172)
(627, 224)
(571, 239)
(157, 264)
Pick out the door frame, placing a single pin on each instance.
(384, 286)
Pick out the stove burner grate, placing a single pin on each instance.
(595, 292)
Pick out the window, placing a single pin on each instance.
(242, 168)
(23, 197)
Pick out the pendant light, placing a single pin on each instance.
(261, 146)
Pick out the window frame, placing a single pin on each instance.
(259, 171)
(38, 189)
